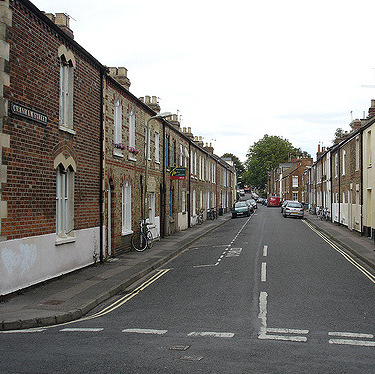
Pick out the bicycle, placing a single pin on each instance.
(312, 209)
(324, 214)
(211, 214)
(200, 217)
(142, 239)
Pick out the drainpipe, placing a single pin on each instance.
(101, 140)
(339, 178)
(189, 186)
(361, 175)
(330, 183)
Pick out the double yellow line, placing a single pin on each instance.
(342, 253)
(127, 297)
(113, 306)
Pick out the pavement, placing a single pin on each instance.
(71, 296)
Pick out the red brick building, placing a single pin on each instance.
(50, 157)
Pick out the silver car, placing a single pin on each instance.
(293, 209)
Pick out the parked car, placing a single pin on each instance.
(252, 203)
(274, 201)
(240, 209)
(293, 209)
(284, 204)
(249, 203)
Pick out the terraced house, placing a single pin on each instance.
(82, 159)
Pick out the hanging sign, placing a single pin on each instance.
(178, 172)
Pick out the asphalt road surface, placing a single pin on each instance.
(262, 294)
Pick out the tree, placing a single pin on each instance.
(238, 165)
(339, 134)
(264, 155)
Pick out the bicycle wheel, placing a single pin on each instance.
(139, 241)
(150, 239)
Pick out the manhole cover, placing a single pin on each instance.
(179, 347)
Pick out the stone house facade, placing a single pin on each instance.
(291, 180)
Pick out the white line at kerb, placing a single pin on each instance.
(263, 275)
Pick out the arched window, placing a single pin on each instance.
(67, 65)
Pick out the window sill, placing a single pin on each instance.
(126, 232)
(65, 239)
(66, 129)
(117, 153)
(132, 158)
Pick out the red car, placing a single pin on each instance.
(274, 201)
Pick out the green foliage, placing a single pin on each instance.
(265, 155)
(339, 134)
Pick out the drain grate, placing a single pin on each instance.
(179, 347)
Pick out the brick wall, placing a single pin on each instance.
(30, 189)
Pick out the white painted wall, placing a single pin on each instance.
(182, 221)
(28, 261)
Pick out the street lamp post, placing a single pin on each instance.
(161, 115)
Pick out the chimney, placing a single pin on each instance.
(187, 132)
(320, 152)
(173, 119)
(121, 75)
(356, 124)
(152, 102)
(62, 20)
(371, 110)
(209, 148)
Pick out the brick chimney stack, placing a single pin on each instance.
(173, 119)
(62, 20)
(121, 75)
(371, 110)
(187, 132)
(356, 124)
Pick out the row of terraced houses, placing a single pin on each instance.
(75, 179)
(340, 180)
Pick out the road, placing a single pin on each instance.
(262, 294)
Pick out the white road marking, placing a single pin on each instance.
(146, 331)
(263, 313)
(203, 266)
(265, 251)
(263, 276)
(363, 343)
(285, 338)
(212, 334)
(21, 331)
(351, 335)
(286, 331)
(81, 329)
(234, 252)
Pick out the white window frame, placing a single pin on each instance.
(132, 134)
(183, 202)
(64, 205)
(126, 209)
(66, 95)
(295, 181)
(157, 147)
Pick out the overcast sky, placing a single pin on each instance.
(236, 70)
